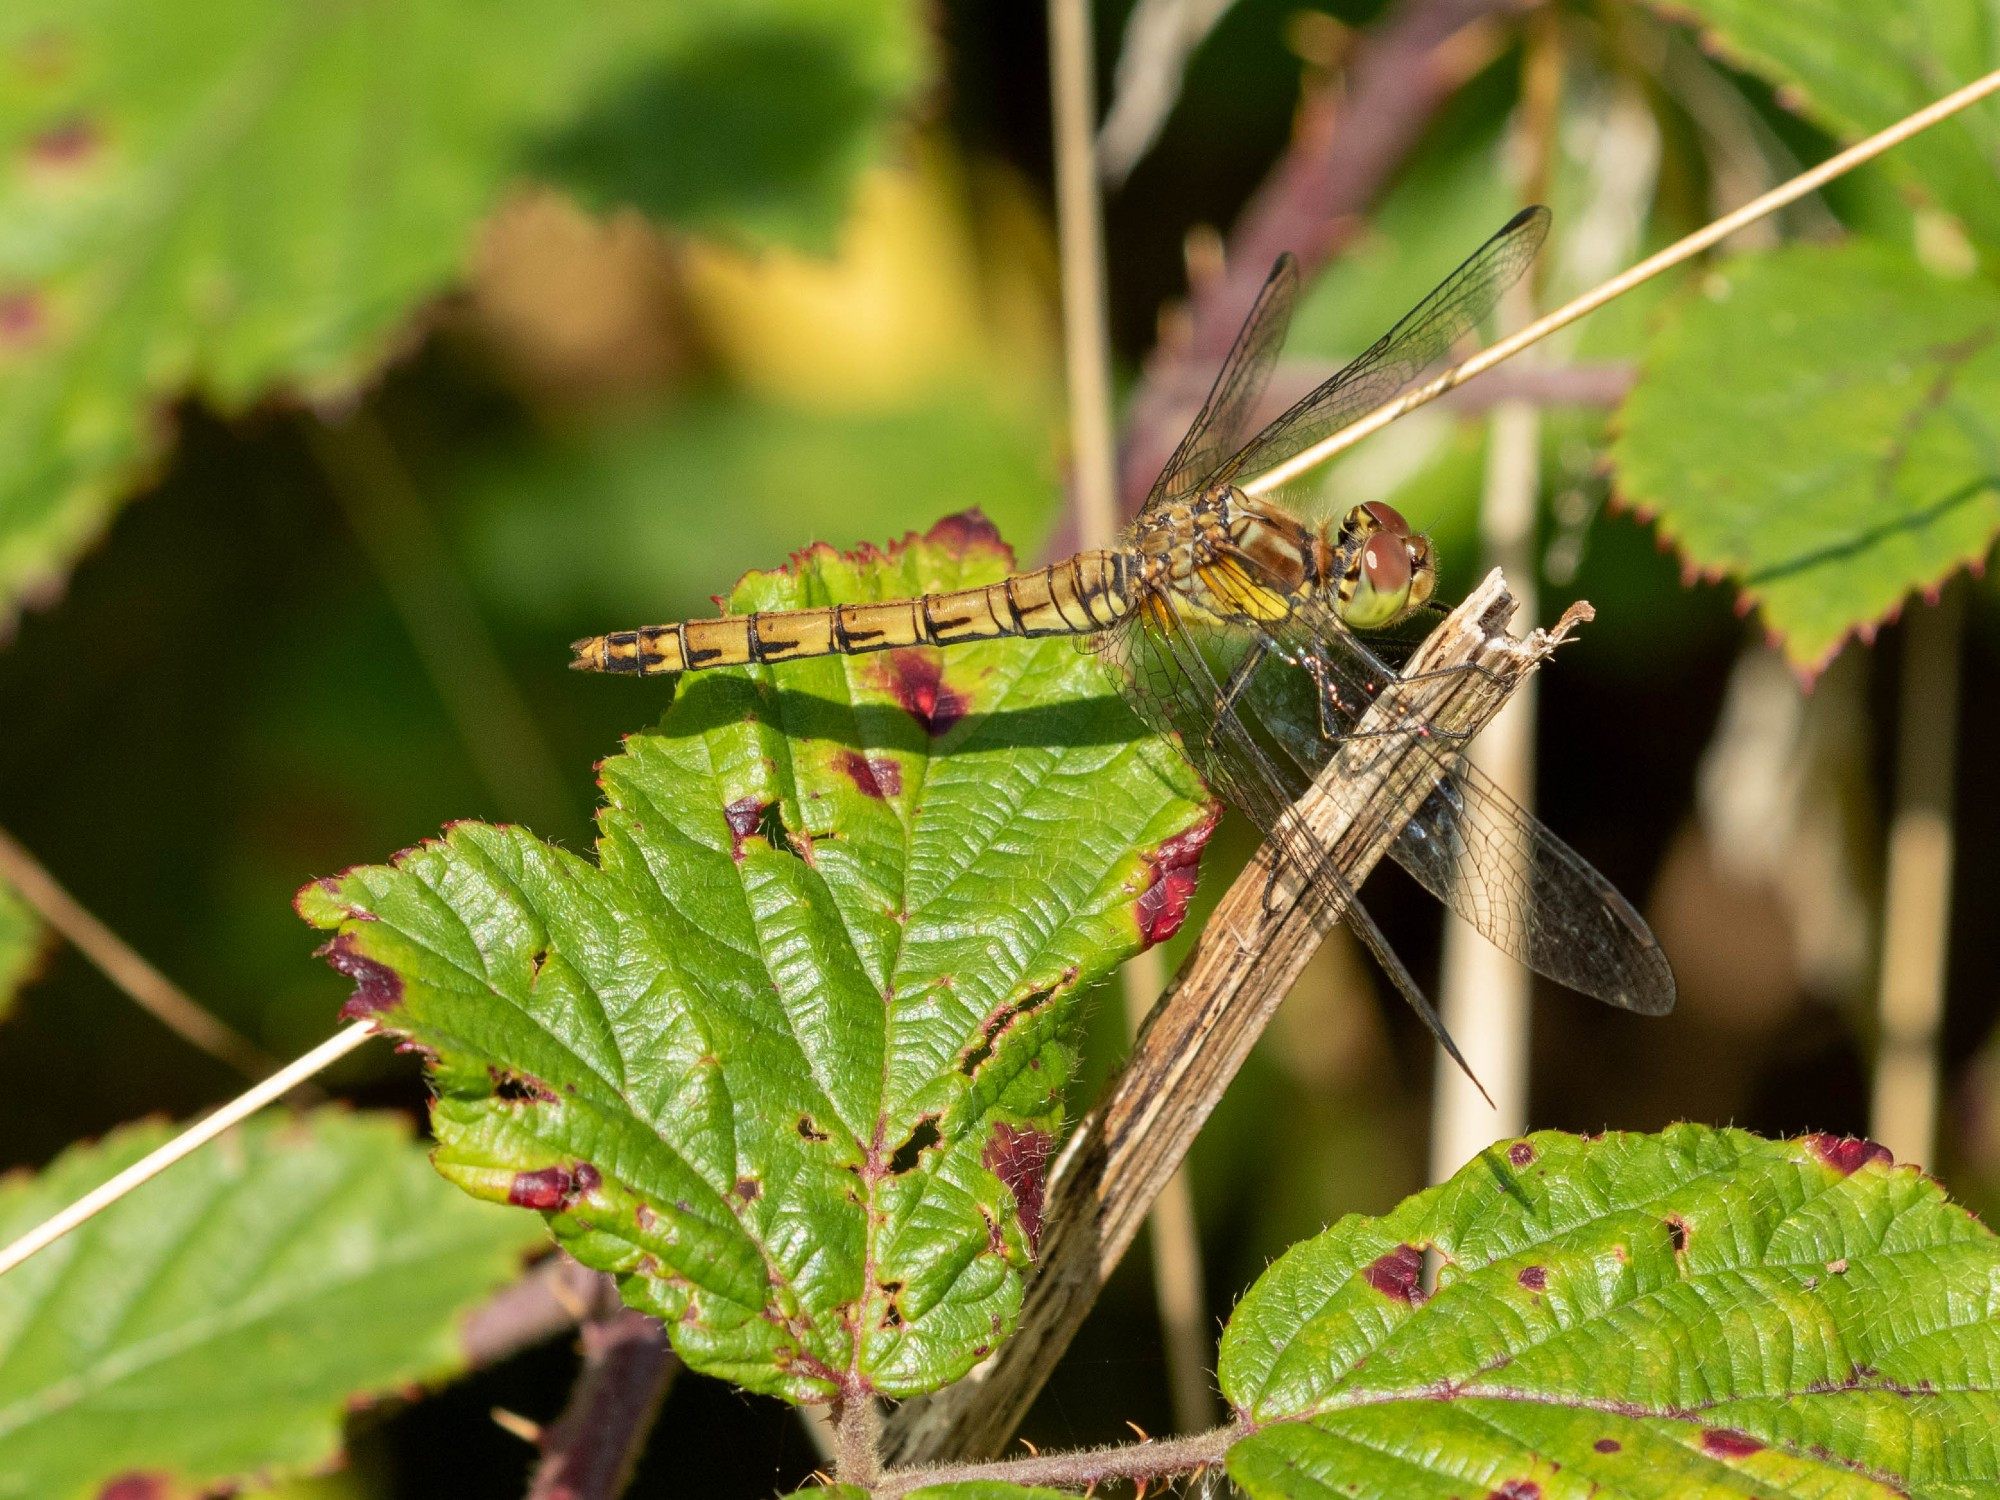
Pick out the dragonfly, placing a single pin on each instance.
(1256, 638)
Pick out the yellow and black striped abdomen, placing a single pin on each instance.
(1086, 593)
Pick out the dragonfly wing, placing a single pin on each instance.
(1470, 844)
(1533, 897)
(1175, 677)
(1424, 336)
(1218, 429)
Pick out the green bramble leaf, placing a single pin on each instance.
(789, 1058)
(234, 198)
(217, 1324)
(1697, 1312)
(23, 940)
(1822, 429)
(1858, 66)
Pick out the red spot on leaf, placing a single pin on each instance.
(1534, 1278)
(377, 987)
(749, 1189)
(135, 1487)
(1020, 1158)
(1677, 1231)
(967, 531)
(743, 816)
(1727, 1442)
(1395, 1275)
(551, 1189)
(21, 319)
(1607, 1445)
(69, 144)
(1516, 1489)
(547, 1189)
(1172, 871)
(1847, 1155)
(1520, 1153)
(878, 778)
(916, 679)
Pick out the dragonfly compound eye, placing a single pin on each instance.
(1388, 518)
(1382, 592)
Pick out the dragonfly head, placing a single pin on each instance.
(1389, 573)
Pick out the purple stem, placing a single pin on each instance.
(589, 1452)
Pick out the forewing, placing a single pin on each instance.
(1218, 428)
(1423, 337)
(1475, 848)
(1532, 896)
(1169, 674)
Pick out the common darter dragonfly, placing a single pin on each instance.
(1233, 624)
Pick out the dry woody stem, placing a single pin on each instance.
(1251, 951)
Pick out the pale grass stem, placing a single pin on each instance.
(1916, 906)
(1625, 281)
(186, 1143)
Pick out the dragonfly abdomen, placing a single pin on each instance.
(1082, 594)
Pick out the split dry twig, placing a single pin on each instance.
(1263, 932)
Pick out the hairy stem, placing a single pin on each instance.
(857, 1447)
(1153, 1459)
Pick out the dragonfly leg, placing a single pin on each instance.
(1239, 679)
(1335, 713)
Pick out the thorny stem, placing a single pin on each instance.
(857, 1448)
(1161, 1458)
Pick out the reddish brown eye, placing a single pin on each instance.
(1388, 517)
(1387, 561)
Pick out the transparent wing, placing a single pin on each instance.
(1174, 676)
(1528, 893)
(1218, 429)
(1423, 337)
(1469, 843)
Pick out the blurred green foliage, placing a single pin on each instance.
(1852, 455)
(809, 296)
(22, 941)
(222, 1319)
(261, 200)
